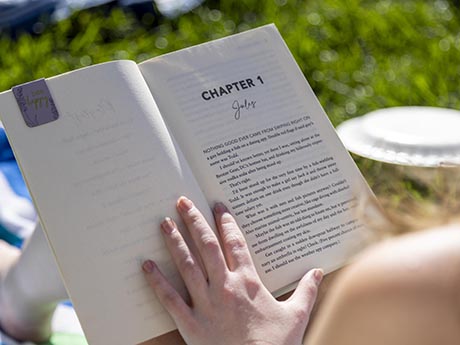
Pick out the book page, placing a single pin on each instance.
(103, 176)
(257, 138)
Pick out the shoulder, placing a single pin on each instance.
(427, 261)
(404, 290)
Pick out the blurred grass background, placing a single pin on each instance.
(358, 55)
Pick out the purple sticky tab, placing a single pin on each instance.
(36, 104)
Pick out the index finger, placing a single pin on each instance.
(234, 244)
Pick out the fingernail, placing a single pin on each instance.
(318, 276)
(148, 266)
(167, 225)
(185, 204)
(220, 208)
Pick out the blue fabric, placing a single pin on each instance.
(6, 154)
(10, 238)
(12, 173)
(10, 169)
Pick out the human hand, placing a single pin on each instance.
(229, 304)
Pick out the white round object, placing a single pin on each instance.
(417, 136)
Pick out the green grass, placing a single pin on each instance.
(358, 55)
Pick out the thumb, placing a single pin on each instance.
(307, 290)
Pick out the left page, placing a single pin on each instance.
(103, 176)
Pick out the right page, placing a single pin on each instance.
(257, 138)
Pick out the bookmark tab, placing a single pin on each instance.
(35, 102)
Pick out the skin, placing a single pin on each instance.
(9, 256)
(405, 290)
(174, 337)
(21, 318)
(402, 291)
(228, 301)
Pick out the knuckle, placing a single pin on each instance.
(181, 245)
(229, 293)
(187, 264)
(198, 224)
(195, 221)
(189, 269)
(169, 298)
(235, 241)
(301, 314)
(195, 218)
(229, 226)
(234, 290)
(251, 282)
(253, 286)
(228, 220)
(210, 244)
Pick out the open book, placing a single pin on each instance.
(116, 144)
